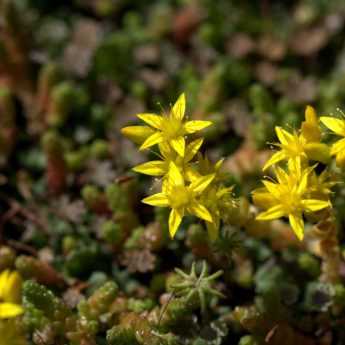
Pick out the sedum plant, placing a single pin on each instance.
(190, 183)
(192, 285)
(298, 189)
(169, 128)
(289, 196)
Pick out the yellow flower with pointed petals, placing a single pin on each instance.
(304, 145)
(161, 167)
(338, 127)
(181, 198)
(170, 128)
(10, 294)
(288, 197)
(291, 146)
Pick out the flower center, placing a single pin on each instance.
(291, 200)
(172, 128)
(295, 148)
(179, 197)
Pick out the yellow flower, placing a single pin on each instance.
(304, 145)
(288, 197)
(291, 146)
(338, 127)
(10, 294)
(161, 167)
(181, 198)
(170, 128)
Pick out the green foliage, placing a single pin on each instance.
(121, 336)
(192, 286)
(44, 300)
(98, 303)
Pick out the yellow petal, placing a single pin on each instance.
(318, 152)
(196, 125)
(334, 124)
(313, 205)
(262, 198)
(159, 199)
(340, 159)
(297, 224)
(272, 188)
(175, 176)
(311, 133)
(338, 146)
(152, 119)
(192, 149)
(277, 157)
(166, 151)
(165, 185)
(201, 183)
(137, 134)
(281, 174)
(11, 292)
(295, 165)
(222, 191)
(153, 168)
(310, 114)
(178, 144)
(302, 186)
(3, 283)
(200, 211)
(310, 129)
(154, 139)
(179, 107)
(8, 310)
(272, 213)
(191, 174)
(219, 164)
(175, 219)
(283, 136)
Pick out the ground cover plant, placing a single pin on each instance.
(172, 172)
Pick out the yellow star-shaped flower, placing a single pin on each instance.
(170, 128)
(288, 197)
(181, 198)
(301, 146)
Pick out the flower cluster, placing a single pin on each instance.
(298, 190)
(10, 294)
(191, 184)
